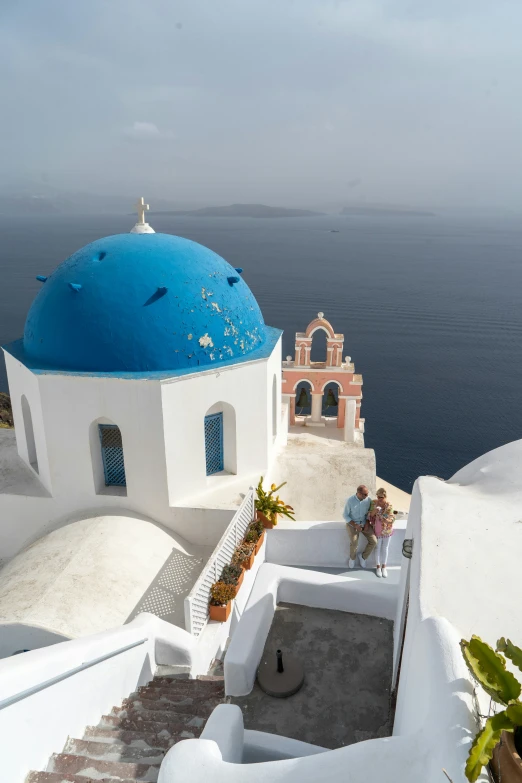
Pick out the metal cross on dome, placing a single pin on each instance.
(141, 208)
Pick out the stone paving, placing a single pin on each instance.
(348, 669)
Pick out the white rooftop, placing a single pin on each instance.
(96, 573)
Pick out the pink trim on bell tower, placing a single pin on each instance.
(319, 374)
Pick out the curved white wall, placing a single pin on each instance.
(275, 584)
(39, 724)
(16, 637)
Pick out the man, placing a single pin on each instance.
(355, 510)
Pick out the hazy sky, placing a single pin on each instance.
(282, 101)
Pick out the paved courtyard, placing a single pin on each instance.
(348, 667)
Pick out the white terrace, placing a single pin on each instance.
(438, 596)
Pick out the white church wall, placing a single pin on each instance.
(275, 430)
(162, 428)
(244, 390)
(23, 383)
(73, 406)
(202, 526)
(23, 519)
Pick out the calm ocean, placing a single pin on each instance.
(431, 309)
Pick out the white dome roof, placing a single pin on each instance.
(90, 575)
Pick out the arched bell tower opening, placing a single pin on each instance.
(330, 404)
(303, 398)
(318, 351)
(320, 386)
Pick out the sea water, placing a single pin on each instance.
(431, 310)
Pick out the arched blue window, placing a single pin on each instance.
(214, 456)
(112, 455)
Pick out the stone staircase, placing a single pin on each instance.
(129, 744)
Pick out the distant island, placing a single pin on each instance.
(391, 211)
(241, 210)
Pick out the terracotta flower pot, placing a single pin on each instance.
(247, 564)
(259, 543)
(506, 764)
(240, 581)
(267, 523)
(220, 613)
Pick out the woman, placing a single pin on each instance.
(381, 518)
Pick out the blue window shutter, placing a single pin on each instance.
(112, 455)
(214, 443)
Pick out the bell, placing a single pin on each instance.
(303, 400)
(331, 402)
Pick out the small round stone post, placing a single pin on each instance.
(278, 679)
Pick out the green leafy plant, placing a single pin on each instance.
(230, 574)
(242, 553)
(221, 593)
(488, 667)
(270, 504)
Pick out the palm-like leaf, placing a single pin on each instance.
(484, 743)
(514, 713)
(489, 668)
(511, 651)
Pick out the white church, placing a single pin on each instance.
(148, 398)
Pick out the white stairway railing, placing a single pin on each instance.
(196, 602)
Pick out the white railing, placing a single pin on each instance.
(196, 602)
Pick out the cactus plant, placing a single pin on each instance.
(488, 667)
(230, 574)
(242, 553)
(254, 532)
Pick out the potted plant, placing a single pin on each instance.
(232, 575)
(255, 534)
(221, 597)
(501, 737)
(244, 555)
(268, 507)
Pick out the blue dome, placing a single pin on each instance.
(142, 302)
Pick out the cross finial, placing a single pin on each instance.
(141, 208)
(141, 226)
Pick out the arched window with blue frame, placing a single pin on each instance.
(214, 453)
(112, 455)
